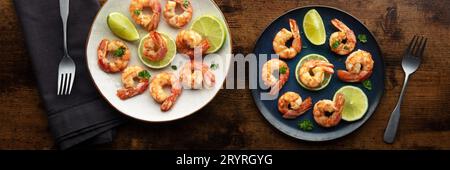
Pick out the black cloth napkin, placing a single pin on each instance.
(83, 117)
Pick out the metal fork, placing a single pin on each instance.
(410, 63)
(66, 70)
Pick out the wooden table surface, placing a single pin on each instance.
(231, 120)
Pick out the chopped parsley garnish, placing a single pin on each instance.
(144, 74)
(174, 67)
(186, 3)
(119, 52)
(367, 84)
(137, 12)
(283, 70)
(214, 66)
(305, 125)
(362, 38)
(335, 44)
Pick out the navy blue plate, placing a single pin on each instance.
(269, 108)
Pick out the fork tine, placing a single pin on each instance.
(417, 46)
(59, 84)
(72, 77)
(66, 90)
(69, 81)
(411, 44)
(422, 48)
(62, 84)
(65, 84)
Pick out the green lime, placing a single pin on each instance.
(356, 103)
(170, 55)
(314, 28)
(211, 28)
(121, 26)
(327, 78)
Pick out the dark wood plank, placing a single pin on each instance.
(231, 120)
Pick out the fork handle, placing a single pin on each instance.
(391, 129)
(64, 10)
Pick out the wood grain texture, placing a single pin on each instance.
(231, 120)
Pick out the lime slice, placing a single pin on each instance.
(327, 78)
(314, 28)
(356, 103)
(211, 28)
(121, 26)
(170, 55)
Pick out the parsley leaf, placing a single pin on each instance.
(137, 12)
(305, 125)
(174, 67)
(144, 74)
(362, 38)
(367, 84)
(214, 66)
(119, 52)
(186, 3)
(283, 70)
(335, 44)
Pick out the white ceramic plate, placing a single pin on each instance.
(143, 107)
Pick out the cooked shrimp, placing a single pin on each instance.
(157, 85)
(195, 75)
(155, 47)
(130, 88)
(359, 66)
(188, 42)
(324, 107)
(279, 42)
(270, 80)
(312, 72)
(178, 20)
(119, 53)
(290, 104)
(342, 42)
(148, 21)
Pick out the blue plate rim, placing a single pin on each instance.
(305, 136)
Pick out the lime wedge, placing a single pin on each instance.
(121, 26)
(327, 78)
(314, 28)
(170, 55)
(356, 103)
(211, 28)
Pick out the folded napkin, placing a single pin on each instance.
(83, 117)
